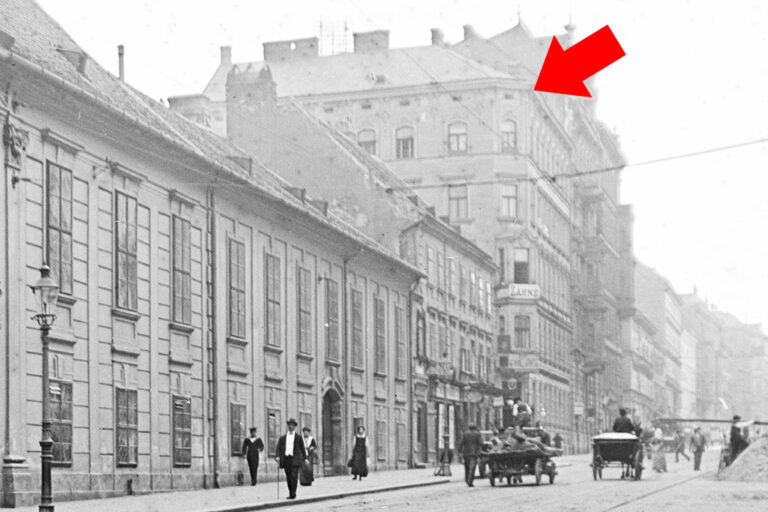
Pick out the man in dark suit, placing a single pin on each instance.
(470, 446)
(737, 438)
(291, 454)
(623, 424)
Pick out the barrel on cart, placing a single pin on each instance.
(616, 449)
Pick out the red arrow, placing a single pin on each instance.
(564, 71)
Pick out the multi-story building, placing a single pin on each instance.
(461, 125)
(688, 355)
(655, 298)
(711, 381)
(200, 293)
(637, 393)
(453, 354)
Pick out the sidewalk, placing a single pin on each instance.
(264, 495)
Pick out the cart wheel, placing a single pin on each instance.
(537, 470)
(638, 465)
(552, 473)
(491, 477)
(595, 465)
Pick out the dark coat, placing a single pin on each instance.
(471, 443)
(299, 452)
(623, 424)
(251, 449)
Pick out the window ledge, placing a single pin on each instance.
(334, 363)
(121, 347)
(379, 374)
(237, 341)
(67, 300)
(186, 329)
(305, 357)
(357, 369)
(401, 379)
(511, 220)
(273, 349)
(126, 314)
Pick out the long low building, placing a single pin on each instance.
(199, 293)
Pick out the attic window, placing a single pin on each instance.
(405, 103)
(366, 106)
(509, 96)
(456, 98)
(328, 109)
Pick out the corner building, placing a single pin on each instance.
(200, 294)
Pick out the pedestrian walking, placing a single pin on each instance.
(470, 446)
(359, 460)
(251, 448)
(698, 445)
(558, 440)
(657, 448)
(307, 473)
(680, 447)
(290, 456)
(738, 443)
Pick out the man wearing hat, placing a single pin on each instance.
(291, 455)
(698, 445)
(737, 440)
(470, 446)
(251, 448)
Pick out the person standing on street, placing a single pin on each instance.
(680, 447)
(737, 439)
(698, 445)
(470, 446)
(359, 462)
(307, 473)
(291, 455)
(251, 448)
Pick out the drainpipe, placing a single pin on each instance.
(212, 329)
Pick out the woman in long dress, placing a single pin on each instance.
(657, 446)
(360, 454)
(307, 471)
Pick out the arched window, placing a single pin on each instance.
(508, 136)
(366, 139)
(404, 142)
(457, 137)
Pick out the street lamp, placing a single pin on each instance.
(46, 292)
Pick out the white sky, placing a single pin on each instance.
(695, 77)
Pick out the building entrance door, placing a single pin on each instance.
(421, 432)
(333, 438)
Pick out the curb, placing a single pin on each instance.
(325, 497)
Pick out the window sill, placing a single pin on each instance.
(183, 328)
(67, 300)
(238, 369)
(237, 341)
(126, 314)
(128, 465)
(332, 362)
(119, 347)
(357, 369)
(273, 349)
(382, 375)
(401, 379)
(511, 220)
(305, 357)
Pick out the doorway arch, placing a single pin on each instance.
(333, 434)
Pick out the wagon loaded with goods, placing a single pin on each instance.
(615, 449)
(517, 457)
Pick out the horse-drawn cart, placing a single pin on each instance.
(617, 449)
(513, 464)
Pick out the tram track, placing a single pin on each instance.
(655, 491)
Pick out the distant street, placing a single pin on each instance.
(574, 490)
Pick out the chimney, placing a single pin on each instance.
(121, 62)
(226, 55)
(469, 32)
(438, 39)
(294, 49)
(368, 42)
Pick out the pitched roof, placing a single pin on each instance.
(362, 71)
(39, 41)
